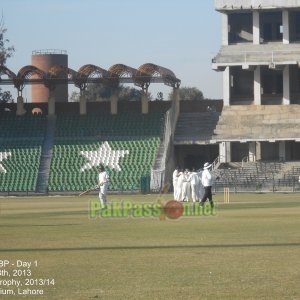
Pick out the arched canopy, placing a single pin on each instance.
(26, 73)
(59, 71)
(89, 71)
(5, 71)
(121, 70)
(149, 71)
(155, 70)
(118, 73)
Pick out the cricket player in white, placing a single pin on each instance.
(103, 180)
(194, 181)
(175, 182)
(186, 187)
(178, 195)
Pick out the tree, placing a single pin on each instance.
(188, 93)
(5, 50)
(98, 92)
(5, 96)
(5, 53)
(159, 96)
(101, 92)
(75, 97)
(129, 94)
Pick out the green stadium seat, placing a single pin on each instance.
(138, 134)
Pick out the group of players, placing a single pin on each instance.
(194, 185)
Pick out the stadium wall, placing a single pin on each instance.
(73, 107)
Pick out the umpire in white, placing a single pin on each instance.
(207, 181)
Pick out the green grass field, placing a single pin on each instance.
(249, 250)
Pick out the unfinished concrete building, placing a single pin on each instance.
(260, 61)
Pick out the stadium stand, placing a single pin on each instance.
(22, 127)
(260, 175)
(20, 148)
(195, 127)
(61, 154)
(127, 142)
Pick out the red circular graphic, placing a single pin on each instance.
(173, 209)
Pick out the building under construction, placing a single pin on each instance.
(259, 58)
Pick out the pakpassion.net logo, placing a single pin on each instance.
(162, 209)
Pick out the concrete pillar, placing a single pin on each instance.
(256, 28)
(114, 104)
(286, 86)
(258, 151)
(176, 101)
(82, 103)
(145, 103)
(257, 85)
(252, 151)
(225, 152)
(51, 103)
(226, 86)
(225, 29)
(20, 106)
(282, 152)
(286, 27)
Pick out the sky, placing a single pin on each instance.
(181, 35)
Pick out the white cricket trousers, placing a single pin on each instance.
(102, 194)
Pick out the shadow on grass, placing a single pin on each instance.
(151, 247)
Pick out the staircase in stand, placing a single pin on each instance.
(44, 169)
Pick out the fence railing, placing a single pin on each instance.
(158, 173)
(216, 163)
(260, 176)
(264, 186)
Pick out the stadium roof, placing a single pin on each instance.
(119, 73)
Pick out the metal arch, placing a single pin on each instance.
(119, 73)
(89, 71)
(121, 70)
(59, 71)
(5, 71)
(151, 70)
(25, 73)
